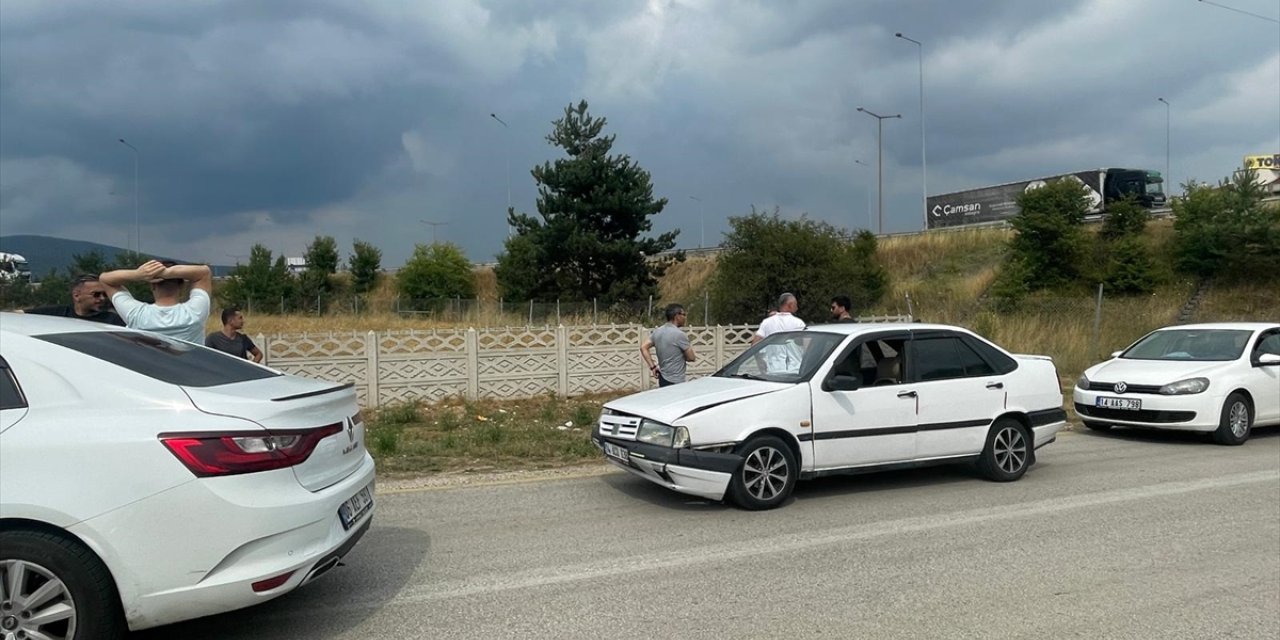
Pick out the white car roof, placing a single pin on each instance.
(1246, 326)
(30, 324)
(858, 328)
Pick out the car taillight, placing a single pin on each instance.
(225, 454)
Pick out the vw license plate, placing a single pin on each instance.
(355, 508)
(616, 452)
(1128, 404)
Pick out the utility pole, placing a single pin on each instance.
(880, 162)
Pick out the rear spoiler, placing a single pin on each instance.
(318, 392)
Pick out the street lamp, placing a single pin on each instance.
(702, 221)
(1167, 175)
(508, 163)
(868, 168)
(433, 225)
(880, 161)
(137, 229)
(924, 171)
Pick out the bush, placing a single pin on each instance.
(1049, 246)
(1130, 269)
(435, 271)
(1227, 231)
(765, 256)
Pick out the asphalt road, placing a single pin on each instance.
(1123, 535)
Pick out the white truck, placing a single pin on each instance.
(14, 268)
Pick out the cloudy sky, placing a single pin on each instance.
(276, 121)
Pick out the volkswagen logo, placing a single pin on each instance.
(1121, 387)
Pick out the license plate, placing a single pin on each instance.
(355, 508)
(616, 452)
(1128, 404)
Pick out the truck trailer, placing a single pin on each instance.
(1000, 202)
(14, 268)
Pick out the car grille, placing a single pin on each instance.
(1110, 387)
(1145, 415)
(619, 426)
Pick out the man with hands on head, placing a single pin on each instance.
(168, 315)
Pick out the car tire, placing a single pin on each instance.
(766, 476)
(1096, 426)
(1008, 452)
(34, 559)
(1235, 422)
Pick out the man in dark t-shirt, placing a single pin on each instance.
(88, 302)
(231, 340)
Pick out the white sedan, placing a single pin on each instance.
(838, 399)
(147, 480)
(1220, 378)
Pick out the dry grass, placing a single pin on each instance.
(1240, 302)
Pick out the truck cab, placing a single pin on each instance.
(1145, 186)
(14, 268)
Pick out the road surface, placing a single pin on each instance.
(1120, 535)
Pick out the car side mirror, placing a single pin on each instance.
(842, 382)
(1267, 360)
(1116, 354)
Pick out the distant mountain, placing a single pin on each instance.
(46, 253)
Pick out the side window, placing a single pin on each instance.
(973, 363)
(877, 362)
(1269, 344)
(10, 394)
(937, 359)
(1000, 362)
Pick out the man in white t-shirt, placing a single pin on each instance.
(168, 315)
(782, 357)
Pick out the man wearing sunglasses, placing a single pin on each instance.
(88, 302)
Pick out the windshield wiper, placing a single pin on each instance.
(746, 376)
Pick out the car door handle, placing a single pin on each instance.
(906, 394)
(995, 385)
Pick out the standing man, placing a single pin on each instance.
(88, 302)
(783, 320)
(168, 315)
(673, 347)
(232, 339)
(840, 309)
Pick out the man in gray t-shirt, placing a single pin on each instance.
(672, 346)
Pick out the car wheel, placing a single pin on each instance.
(53, 587)
(766, 476)
(1008, 451)
(1097, 426)
(1236, 421)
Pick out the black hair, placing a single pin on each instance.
(84, 279)
(228, 313)
(843, 301)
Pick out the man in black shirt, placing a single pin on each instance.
(88, 302)
(231, 340)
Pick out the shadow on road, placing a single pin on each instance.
(641, 489)
(1172, 437)
(330, 607)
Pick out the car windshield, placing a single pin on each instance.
(164, 359)
(1190, 345)
(792, 356)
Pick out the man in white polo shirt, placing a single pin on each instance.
(781, 357)
(168, 315)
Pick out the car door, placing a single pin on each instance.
(1264, 381)
(960, 393)
(874, 423)
(13, 404)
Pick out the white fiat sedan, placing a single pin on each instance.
(1219, 378)
(838, 399)
(145, 480)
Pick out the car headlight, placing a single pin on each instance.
(656, 433)
(1185, 387)
(1082, 382)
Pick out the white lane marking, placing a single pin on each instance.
(489, 584)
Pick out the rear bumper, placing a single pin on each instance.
(696, 473)
(196, 550)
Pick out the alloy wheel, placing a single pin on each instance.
(764, 473)
(1010, 448)
(34, 603)
(1238, 418)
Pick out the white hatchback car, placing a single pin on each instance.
(145, 480)
(1220, 378)
(838, 399)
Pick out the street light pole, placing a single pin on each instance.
(507, 155)
(702, 221)
(868, 168)
(137, 229)
(924, 164)
(433, 225)
(1167, 173)
(880, 162)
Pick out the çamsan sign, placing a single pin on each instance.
(1000, 202)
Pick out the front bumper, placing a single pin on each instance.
(698, 473)
(1194, 412)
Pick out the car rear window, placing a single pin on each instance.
(164, 359)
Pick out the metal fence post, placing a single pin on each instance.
(530, 323)
(706, 308)
(1097, 324)
(595, 311)
(558, 311)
